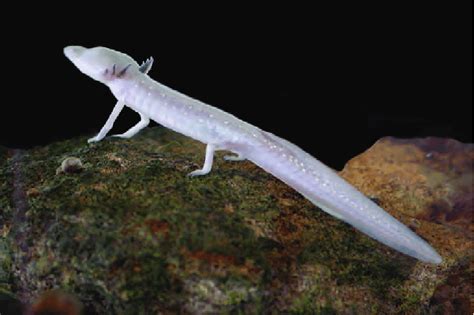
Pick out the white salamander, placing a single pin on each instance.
(132, 87)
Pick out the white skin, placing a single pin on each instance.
(132, 87)
(144, 120)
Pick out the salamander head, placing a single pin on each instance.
(100, 63)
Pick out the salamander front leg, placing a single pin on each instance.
(109, 123)
(144, 121)
(210, 149)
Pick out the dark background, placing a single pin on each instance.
(332, 80)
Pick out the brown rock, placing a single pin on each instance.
(132, 234)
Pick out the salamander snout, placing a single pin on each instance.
(102, 64)
(73, 52)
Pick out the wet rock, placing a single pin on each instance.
(131, 233)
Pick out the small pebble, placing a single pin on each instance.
(56, 302)
(70, 165)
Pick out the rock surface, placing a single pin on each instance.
(132, 234)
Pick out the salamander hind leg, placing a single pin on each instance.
(234, 158)
(210, 149)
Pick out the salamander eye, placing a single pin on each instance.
(114, 73)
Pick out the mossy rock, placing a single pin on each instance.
(130, 233)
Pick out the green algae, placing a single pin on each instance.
(5, 212)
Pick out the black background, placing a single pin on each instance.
(332, 80)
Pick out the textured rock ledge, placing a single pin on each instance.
(129, 233)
